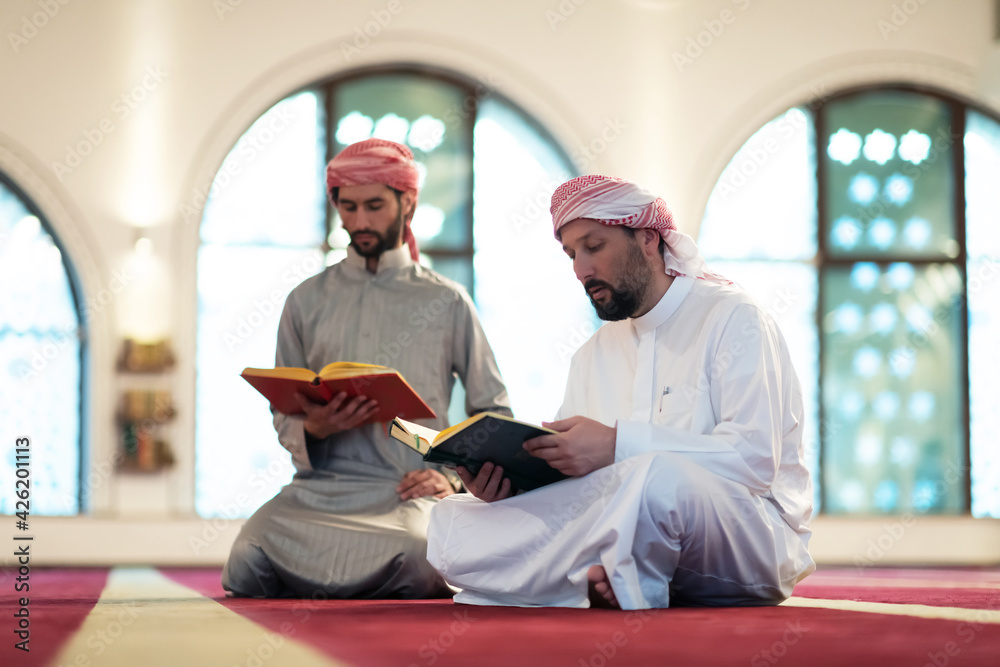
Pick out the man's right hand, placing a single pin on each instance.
(488, 485)
(338, 415)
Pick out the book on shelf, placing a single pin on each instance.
(487, 436)
(145, 357)
(142, 404)
(394, 394)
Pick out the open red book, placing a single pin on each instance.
(394, 394)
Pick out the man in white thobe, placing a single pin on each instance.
(681, 427)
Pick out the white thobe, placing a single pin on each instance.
(708, 501)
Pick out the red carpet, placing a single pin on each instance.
(444, 634)
(58, 601)
(967, 588)
(964, 629)
(969, 598)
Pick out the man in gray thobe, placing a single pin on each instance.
(353, 521)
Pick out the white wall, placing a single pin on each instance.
(206, 69)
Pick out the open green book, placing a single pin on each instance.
(486, 437)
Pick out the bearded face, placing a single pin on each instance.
(622, 296)
(373, 217)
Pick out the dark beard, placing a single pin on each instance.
(626, 299)
(386, 242)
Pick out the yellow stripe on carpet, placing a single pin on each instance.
(877, 582)
(913, 610)
(144, 618)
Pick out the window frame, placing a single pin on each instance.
(328, 89)
(957, 110)
(82, 335)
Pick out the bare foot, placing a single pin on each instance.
(599, 589)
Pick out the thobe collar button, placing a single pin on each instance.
(389, 263)
(666, 307)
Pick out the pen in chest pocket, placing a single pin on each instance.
(666, 390)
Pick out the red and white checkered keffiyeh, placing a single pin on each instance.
(377, 161)
(613, 201)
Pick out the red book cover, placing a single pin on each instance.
(395, 396)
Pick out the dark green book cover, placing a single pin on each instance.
(485, 437)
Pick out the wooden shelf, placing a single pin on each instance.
(144, 410)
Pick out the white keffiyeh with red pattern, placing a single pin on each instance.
(613, 201)
(377, 161)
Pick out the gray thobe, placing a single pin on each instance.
(339, 530)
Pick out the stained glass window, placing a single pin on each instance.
(982, 174)
(890, 376)
(421, 113)
(890, 176)
(42, 352)
(483, 166)
(892, 313)
(906, 251)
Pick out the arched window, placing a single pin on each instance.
(866, 223)
(42, 359)
(487, 173)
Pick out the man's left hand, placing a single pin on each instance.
(581, 446)
(420, 483)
